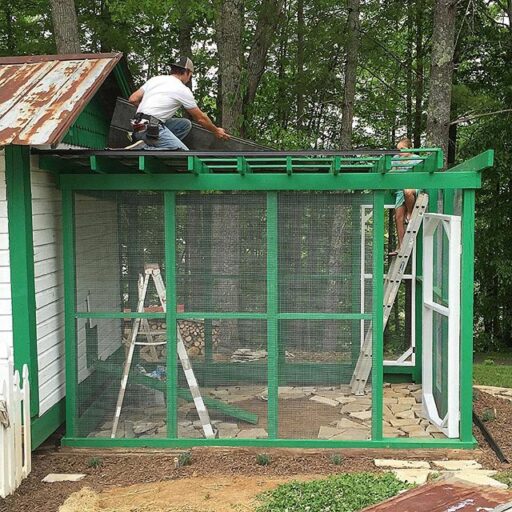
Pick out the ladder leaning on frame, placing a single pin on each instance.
(391, 285)
(153, 271)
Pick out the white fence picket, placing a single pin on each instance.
(15, 444)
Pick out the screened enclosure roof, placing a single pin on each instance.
(41, 96)
(262, 170)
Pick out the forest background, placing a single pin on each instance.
(326, 74)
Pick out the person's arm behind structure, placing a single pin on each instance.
(203, 120)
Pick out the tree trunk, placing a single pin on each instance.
(349, 90)
(268, 19)
(409, 70)
(441, 72)
(65, 26)
(229, 43)
(418, 114)
(300, 62)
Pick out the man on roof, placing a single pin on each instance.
(155, 126)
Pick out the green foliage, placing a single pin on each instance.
(488, 415)
(489, 362)
(263, 459)
(336, 459)
(184, 459)
(340, 493)
(504, 477)
(95, 462)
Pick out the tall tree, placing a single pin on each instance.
(441, 74)
(65, 26)
(301, 28)
(349, 90)
(269, 15)
(418, 81)
(229, 43)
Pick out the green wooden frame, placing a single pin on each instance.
(21, 252)
(203, 175)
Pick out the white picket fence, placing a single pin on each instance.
(15, 447)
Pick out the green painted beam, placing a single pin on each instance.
(44, 426)
(21, 257)
(378, 315)
(477, 163)
(68, 243)
(466, 315)
(392, 443)
(272, 311)
(312, 182)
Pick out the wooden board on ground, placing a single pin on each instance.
(443, 496)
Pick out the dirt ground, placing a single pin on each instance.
(218, 479)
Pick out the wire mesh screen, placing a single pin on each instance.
(319, 252)
(116, 235)
(316, 357)
(221, 252)
(440, 363)
(232, 381)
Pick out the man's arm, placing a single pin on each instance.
(136, 97)
(203, 120)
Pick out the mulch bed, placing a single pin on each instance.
(122, 469)
(500, 428)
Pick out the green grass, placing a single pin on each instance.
(348, 492)
(492, 375)
(505, 477)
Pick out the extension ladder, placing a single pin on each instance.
(391, 285)
(153, 271)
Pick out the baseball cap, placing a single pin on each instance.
(185, 63)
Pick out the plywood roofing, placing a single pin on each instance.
(41, 96)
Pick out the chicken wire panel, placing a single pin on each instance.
(315, 399)
(101, 355)
(232, 379)
(221, 252)
(319, 240)
(398, 332)
(440, 362)
(116, 235)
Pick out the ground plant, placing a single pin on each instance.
(348, 492)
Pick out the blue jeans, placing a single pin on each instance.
(170, 135)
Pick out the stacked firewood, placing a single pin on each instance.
(192, 333)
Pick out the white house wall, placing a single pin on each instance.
(98, 269)
(49, 287)
(5, 275)
(97, 273)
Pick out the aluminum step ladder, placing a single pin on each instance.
(153, 271)
(392, 282)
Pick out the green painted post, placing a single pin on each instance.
(170, 277)
(68, 243)
(378, 315)
(419, 308)
(466, 314)
(21, 258)
(272, 321)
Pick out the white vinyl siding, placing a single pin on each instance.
(49, 287)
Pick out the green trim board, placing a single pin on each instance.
(394, 443)
(265, 182)
(45, 425)
(466, 315)
(21, 258)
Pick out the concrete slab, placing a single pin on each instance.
(401, 464)
(63, 477)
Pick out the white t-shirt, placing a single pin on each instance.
(164, 95)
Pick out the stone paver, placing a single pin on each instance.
(253, 433)
(324, 400)
(401, 464)
(412, 476)
(457, 465)
(63, 477)
(478, 477)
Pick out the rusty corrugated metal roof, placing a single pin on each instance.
(445, 497)
(42, 95)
